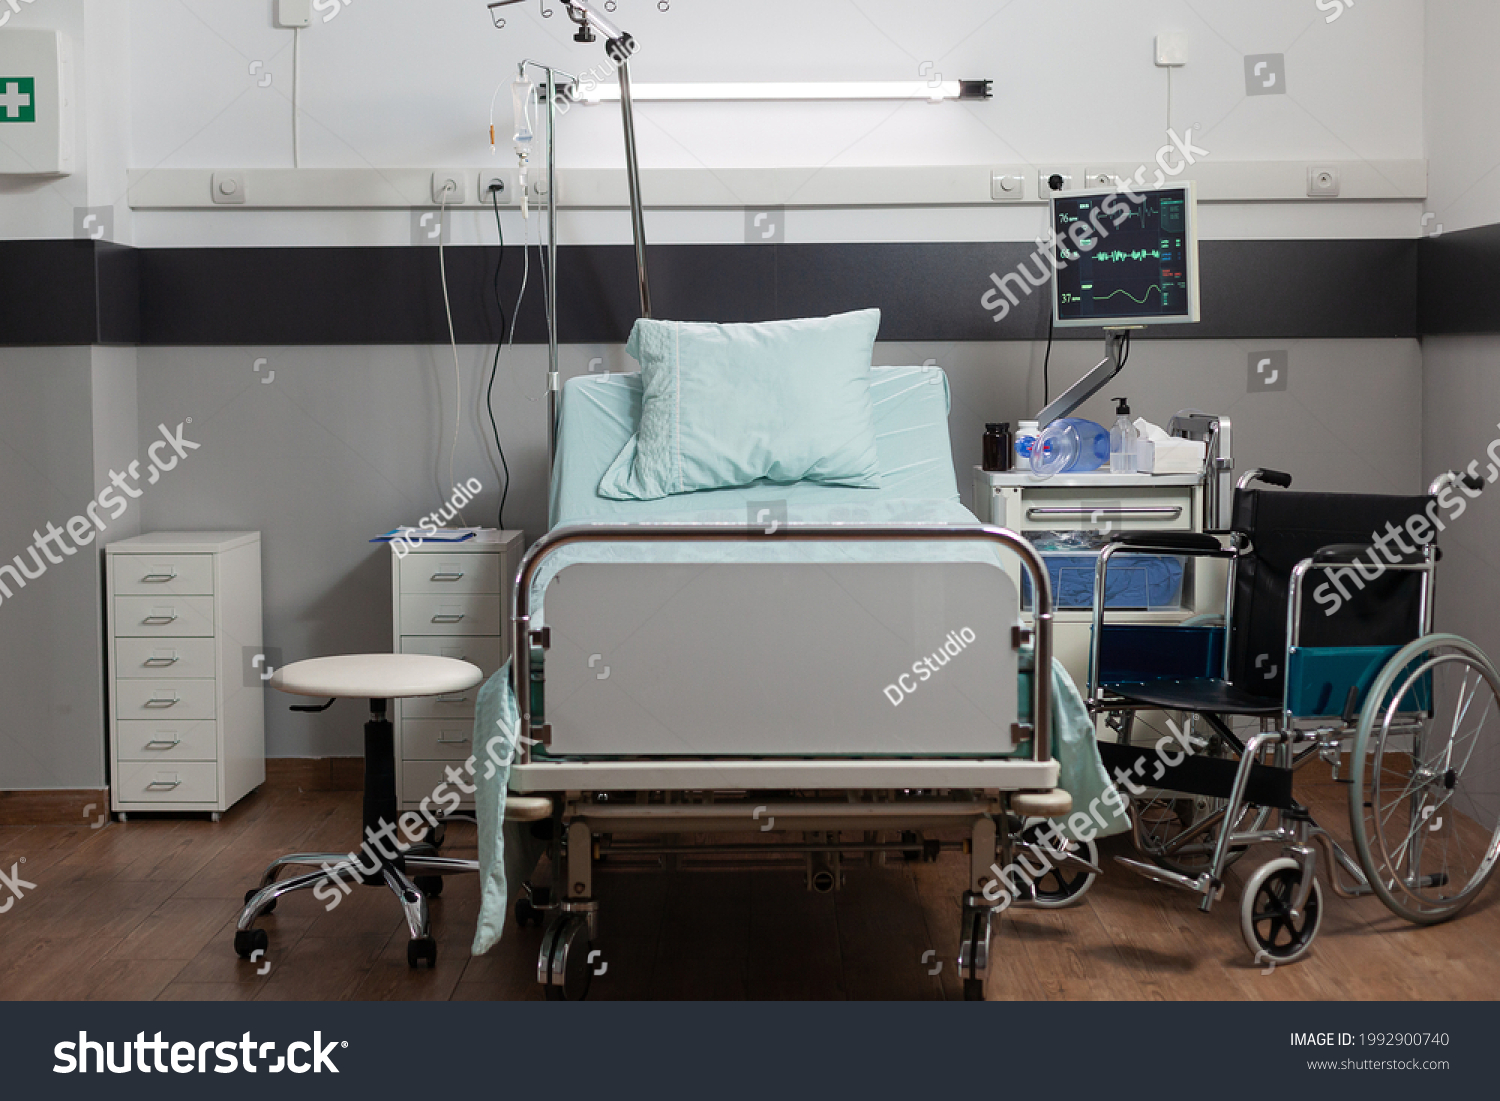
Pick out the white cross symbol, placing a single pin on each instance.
(13, 100)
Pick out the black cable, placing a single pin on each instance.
(1047, 363)
(489, 401)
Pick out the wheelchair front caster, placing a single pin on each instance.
(565, 965)
(251, 893)
(429, 885)
(973, 990)
(420, 949)
(437, 835)
(249, 941)
(1266, 913)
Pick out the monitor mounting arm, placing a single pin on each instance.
(1091, 383)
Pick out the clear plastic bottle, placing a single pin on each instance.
(1122, 440)
(1026, 434)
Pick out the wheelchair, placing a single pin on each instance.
(1326, 646)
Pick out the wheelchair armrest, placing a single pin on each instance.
(1341, 553)
(1184, 541)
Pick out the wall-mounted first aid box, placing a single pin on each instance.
(36, 103)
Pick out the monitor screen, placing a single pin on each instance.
(1121, 262)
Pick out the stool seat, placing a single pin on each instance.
(377, 676)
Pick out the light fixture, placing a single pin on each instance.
(792, 90)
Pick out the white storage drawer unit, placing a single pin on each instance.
(1102, 503)
(186, 729)
(449, 600)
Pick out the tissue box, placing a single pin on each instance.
(1170, 456)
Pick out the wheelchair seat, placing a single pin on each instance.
(1197, 694)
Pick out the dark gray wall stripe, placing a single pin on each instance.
(1460, 282)
(927, 292)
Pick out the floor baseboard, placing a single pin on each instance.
(65, 807)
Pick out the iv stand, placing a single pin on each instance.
(620, 47)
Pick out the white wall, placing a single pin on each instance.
(388, 83)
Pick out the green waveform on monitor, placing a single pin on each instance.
(1118, 255)
(1141, 301)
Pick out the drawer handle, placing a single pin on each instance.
(453, 699)
(448, 618)
(167, 784)
(163, 743)
(162, 701)
(158, 663)
(161, 617)
(159, 578)
(448, 576)
(1170, 511)
(464, 740)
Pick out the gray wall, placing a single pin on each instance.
(346, 443)
(67, 417)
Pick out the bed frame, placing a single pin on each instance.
(640, 793)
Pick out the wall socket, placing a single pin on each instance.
(449, 182)
(1322, 182)
(1053, 181)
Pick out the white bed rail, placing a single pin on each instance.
(522, 636)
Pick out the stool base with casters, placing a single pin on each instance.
(412, 872)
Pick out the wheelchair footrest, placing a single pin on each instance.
(1136, 767)
(1201, 885)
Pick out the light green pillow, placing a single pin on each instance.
(729, 405)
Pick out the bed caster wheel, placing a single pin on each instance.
(251, 893)
(1265, 913)
(249, 941)
(423, 948)
(566, 950)
(973, 990)
(429, 885)
(1063, 883)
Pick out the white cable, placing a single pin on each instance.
(296, 97)
(453, 342)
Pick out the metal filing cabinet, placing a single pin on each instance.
(186, 729)
(450, 600)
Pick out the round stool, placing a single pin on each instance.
(378, 678)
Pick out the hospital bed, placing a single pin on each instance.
(1326, 652)
(740, 662)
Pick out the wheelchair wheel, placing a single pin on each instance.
(1423, 808)
(1266, 919)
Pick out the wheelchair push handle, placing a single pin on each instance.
(1456, 478)
(1277, 478)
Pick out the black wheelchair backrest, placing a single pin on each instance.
(1359, 605)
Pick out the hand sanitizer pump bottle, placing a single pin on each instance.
(1122, 440)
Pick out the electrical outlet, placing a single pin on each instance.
(1006, 187)
(228, 188)
(1052, 181)
(293, 13)
(500, 182)
(448, 182)
(536, 191)
(1098, 179)
(1322, 182)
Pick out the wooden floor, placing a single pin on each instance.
(146, 910)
